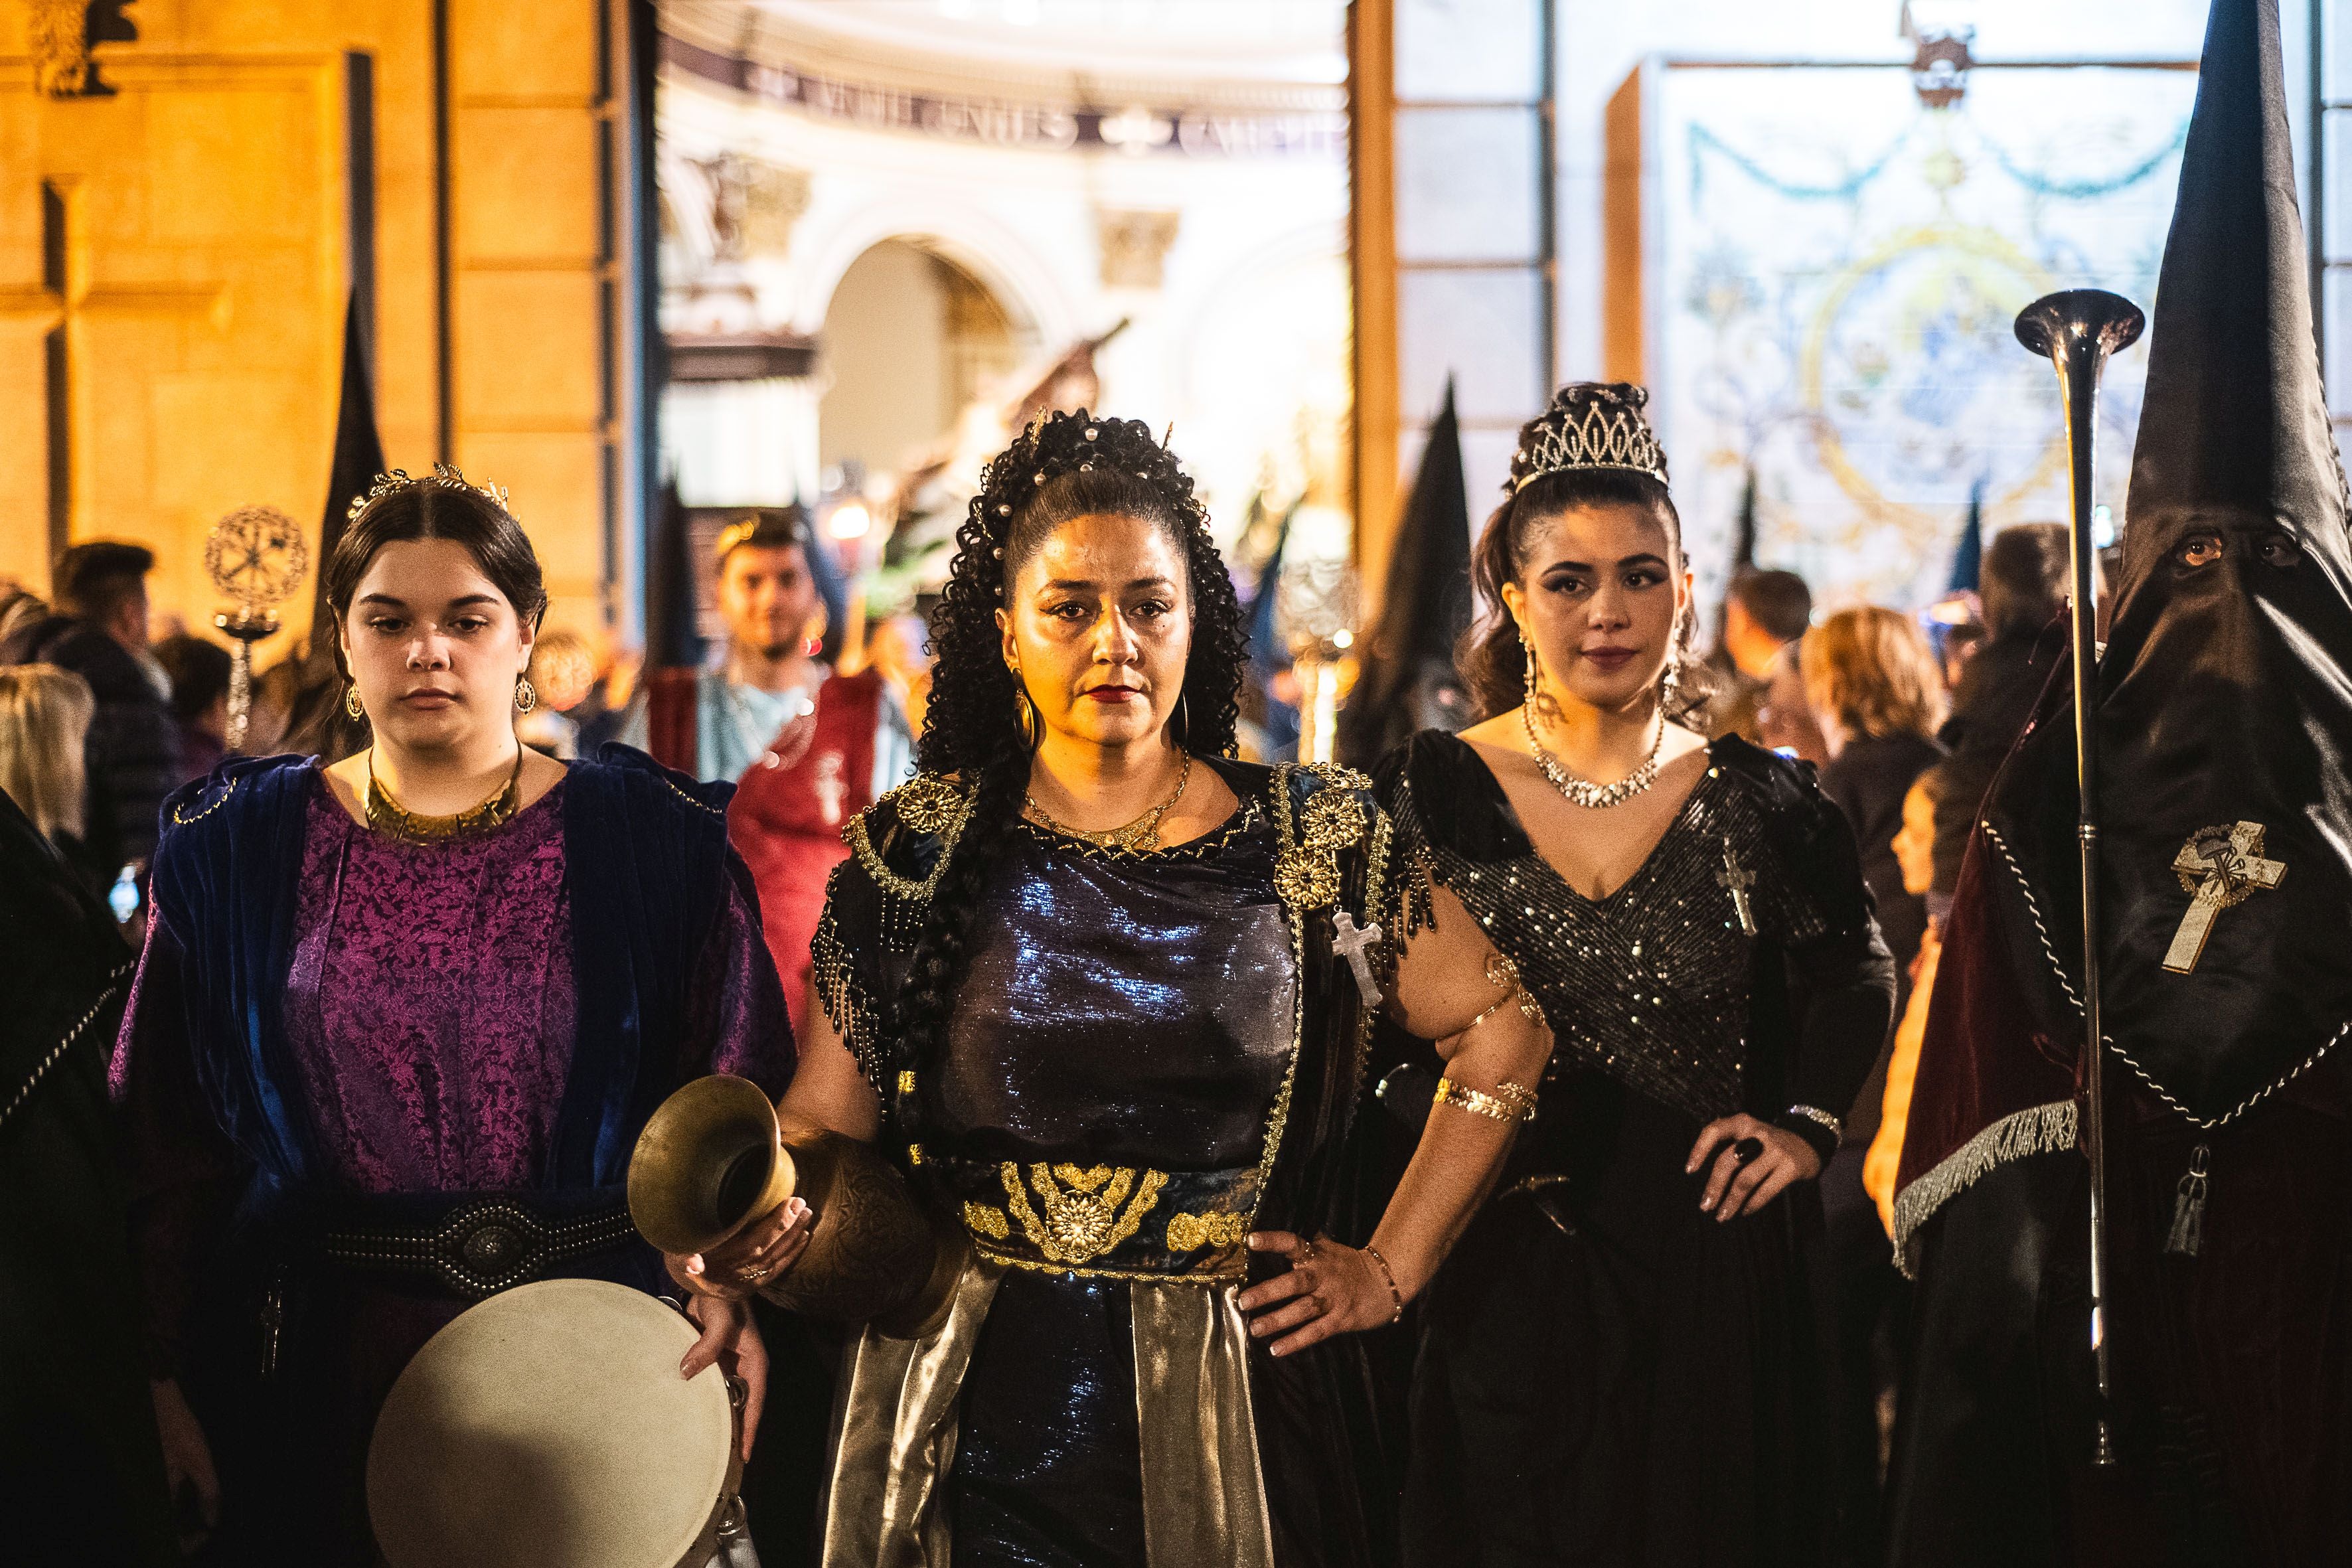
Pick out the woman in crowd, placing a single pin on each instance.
(1876, 691)
(379, 994)
(44, 714)
(1621, 1362)
(1874, 688)
(1915, 846)
(1105, 993)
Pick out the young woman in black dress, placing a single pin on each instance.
(1621, 1362)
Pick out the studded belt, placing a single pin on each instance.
(482, 1245)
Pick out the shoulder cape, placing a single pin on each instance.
(646, 863)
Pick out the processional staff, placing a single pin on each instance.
(2077, 330)
(254, 556)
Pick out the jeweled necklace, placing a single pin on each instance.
(1139, 837)
(394, 820)
(1585, 791)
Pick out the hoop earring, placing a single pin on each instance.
(526, 694)
(352, 701)
(1030, 729)
(1180, 729)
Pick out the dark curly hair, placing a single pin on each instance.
(1493, 664)
(1064, 466)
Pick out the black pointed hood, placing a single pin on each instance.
(2225, 697)
(1408, 681)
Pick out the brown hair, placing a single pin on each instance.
(1493, 664)
(2023, 582)
(1870, 669)
(436, 508)
(44, 715)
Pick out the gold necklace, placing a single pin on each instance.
(1139, 837)
(394, 820)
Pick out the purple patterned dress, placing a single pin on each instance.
(429, 1017)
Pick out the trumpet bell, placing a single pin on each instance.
(2055, 321)
(709, 1162)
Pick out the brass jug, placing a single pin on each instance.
(716, 1158)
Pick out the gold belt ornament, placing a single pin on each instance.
(1088, 1210)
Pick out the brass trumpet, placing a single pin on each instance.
(2078, 330)
(717, 1157)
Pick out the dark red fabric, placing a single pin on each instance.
(671, 717)
(1984, 1056)
(788, 812)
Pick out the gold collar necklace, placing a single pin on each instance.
(394, 820)
(1140, 837)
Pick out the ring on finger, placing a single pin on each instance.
(755, 1273)
(1306, 1253)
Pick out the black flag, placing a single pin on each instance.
(672, 639)
(359, 459)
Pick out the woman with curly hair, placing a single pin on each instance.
(1106, 994)
(1621, 1362)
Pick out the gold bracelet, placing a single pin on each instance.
(1513, 1104)
(1388, 1274)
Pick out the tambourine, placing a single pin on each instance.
(548, 1424)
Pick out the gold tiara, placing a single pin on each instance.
(445, 474)
(1588, 426)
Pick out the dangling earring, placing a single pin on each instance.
(1535, 688)
(1028, 718)
(1671, 682)
(352, 701)
(526, 697)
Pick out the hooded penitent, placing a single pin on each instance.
(2224, 723)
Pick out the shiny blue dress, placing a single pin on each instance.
(1150, 1054)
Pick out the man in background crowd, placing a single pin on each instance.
(99, 631)
(806, 749)
(2024, 588)
(1762, 696)
(199, 675)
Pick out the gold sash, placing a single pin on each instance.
(1203, 1489)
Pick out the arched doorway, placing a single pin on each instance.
(911, 339)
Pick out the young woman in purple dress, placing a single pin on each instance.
(398, 1023)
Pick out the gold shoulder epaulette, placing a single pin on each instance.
(927, 803)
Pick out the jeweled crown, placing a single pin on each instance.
(1590, 424)
(443, 474)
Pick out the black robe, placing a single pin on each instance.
(1606, 1373)
(81, 1476)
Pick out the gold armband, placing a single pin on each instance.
(1502, 971)
(1509, 1102)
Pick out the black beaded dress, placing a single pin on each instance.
(1150, 1054)
(1607, 1376)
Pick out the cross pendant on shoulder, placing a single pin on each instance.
(1351, 943)
(1737, 879)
